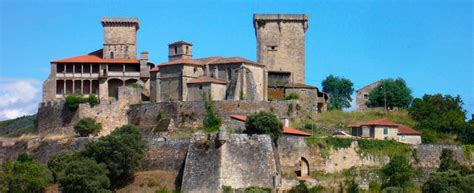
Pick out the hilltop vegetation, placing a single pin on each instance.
(18, 126)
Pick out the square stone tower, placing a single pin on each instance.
(120, 38)
(281, 43)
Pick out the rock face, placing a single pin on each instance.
(240, 162)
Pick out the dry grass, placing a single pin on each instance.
(150, 181)
(28, 137)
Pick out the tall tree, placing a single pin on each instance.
(438, 112)
(398, 172)
(339, 91)
(391, 93)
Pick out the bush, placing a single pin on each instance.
(59, 161)
(383, 147)
(264, 122)
(448, 162)
(121, 151)
(339, 143)
(24, 175)
(450, 181)
(211, 122)
(87, 126)
(73, 101)
(398, 172)
(300, 188)
(257, 190)
(227, 189)
(84, 175)
(292, 96)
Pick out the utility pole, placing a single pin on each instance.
(384, 97)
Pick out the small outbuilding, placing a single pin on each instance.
(384, 129)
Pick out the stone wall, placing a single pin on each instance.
(240, 162)
(191, 113)
(427, 155)
(362, 95)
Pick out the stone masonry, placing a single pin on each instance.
(120, 37)
(281, 43)
(363, 95)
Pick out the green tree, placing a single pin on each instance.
(87, 126)
(300, 188)
(391, 93)
(84, 175)
(439, 113)
(73, 101)
(448, 162)
(212, 122)
(121, 151)
(466, 136)
(24, 175)
(339, 91)
(398, 172)
(447, 182)
(59, 161)
(264, 122)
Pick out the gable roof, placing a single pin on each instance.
(404, 130)
(371, 84)
(155, 69)
(286, 130)
(180, 42)
(214, 60)
(377, 122)
(206, 79)
(95, 57)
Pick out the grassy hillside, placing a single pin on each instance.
(18, 126)
(338, 117)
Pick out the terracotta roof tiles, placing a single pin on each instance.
(377, 122)
(95, 57)
(404, 130)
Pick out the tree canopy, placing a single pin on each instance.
(398, 172)
(339, 91)
(87, 126)
(264, 122)
(84, 175)
(24, 175)
(393, 92)
(121, 152)
(439, 113)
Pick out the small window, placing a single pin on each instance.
(403, 137)
(112, 55)
(385, 131)
(200, 87)
(366, 96)
(176, 50)
(272, 48)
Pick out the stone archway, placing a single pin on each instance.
(304, 167)
(113, 85)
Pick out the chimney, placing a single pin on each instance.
(286, 122)
(143, 55)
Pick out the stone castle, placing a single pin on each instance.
(279, 70)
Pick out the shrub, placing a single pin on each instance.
(59, 161)
(398, 172)
(292, 96)
(24, 175)
(73, 101)
(448, 162)
(257, 190)
(212, 122)
(450, 181)
(227, 189)
(264, 122)
(121, 151)
(87, 126)
(84, 175)
(339, 143)
(383, 147)
(300, 188)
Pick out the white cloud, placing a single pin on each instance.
(19, 97)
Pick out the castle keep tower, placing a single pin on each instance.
(120, 38)
(281, 45)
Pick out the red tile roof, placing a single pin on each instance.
(377, 122)
(214, 60)
(404, 130)
(293, 131)
(206, 79)
(155, 69)
(95, 57)
(286, 130)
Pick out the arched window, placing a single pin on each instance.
(112, 55)
(176, 50)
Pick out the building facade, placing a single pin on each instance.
(183, 78)
(101, 72)
(383, 129)
(362, 95)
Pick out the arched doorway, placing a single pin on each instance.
(113, 87)
(304, 167)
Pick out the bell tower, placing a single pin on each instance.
(120, 38)
(180, 50)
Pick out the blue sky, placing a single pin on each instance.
(428, 43)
